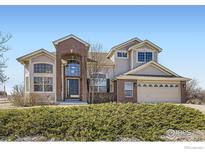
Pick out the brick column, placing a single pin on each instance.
(58, 78)
(84, 78)
(183, 91)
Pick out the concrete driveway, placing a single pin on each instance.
(198, 107)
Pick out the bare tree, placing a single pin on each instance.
(194, 91)
(4, 38)
(96, 65)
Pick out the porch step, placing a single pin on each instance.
(71, 102)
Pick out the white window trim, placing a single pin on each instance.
(98, 85)
(145, 55)
(123, 51)
(40, 62)
(43, 84)
(132, 89)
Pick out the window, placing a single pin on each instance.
(144, 56)
(98, 82)
(122, 54)
(43, 84)
(43, 68)
(27, 84)
(72, 68)
(141, 56)
(148, 56)
(128, 89)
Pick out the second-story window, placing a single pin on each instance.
(43, 68)
(72, 68)
(145, 56)
(122, 54)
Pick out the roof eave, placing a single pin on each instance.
(148, 42)
(22, 59)
(56, 42)
(125, 77)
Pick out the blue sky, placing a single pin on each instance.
(179, 30)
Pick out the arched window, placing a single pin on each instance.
(72, 68)
(43, 68)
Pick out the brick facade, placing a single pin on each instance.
(183, 91)
(120, 91)
(64, 50)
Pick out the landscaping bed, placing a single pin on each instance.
(102, 122)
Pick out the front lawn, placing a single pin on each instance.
(103, 122)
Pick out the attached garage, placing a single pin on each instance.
(150, 92)
(153, 83)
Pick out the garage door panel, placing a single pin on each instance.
(161, 93)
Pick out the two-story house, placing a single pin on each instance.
(134, 74)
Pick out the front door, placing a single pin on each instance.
(73, 88)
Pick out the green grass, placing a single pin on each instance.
(103, 122)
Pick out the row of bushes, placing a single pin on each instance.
(102, 122)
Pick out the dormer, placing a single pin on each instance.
(133, 53)
(143, 52)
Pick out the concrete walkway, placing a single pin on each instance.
(198, 107)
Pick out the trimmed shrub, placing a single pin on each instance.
(102, 122)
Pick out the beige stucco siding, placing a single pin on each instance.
(151, 70)
(122, 65)
(42, 59)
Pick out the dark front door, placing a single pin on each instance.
(73, 88)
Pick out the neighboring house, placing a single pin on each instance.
(134, 74)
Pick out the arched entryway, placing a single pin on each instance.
(72, 79)
(71, 48)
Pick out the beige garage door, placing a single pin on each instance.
(159, 92)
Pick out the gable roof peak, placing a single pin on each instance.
(122, 44)
(42, 50)
(146, 42)
(56, 42)
(161, 67)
